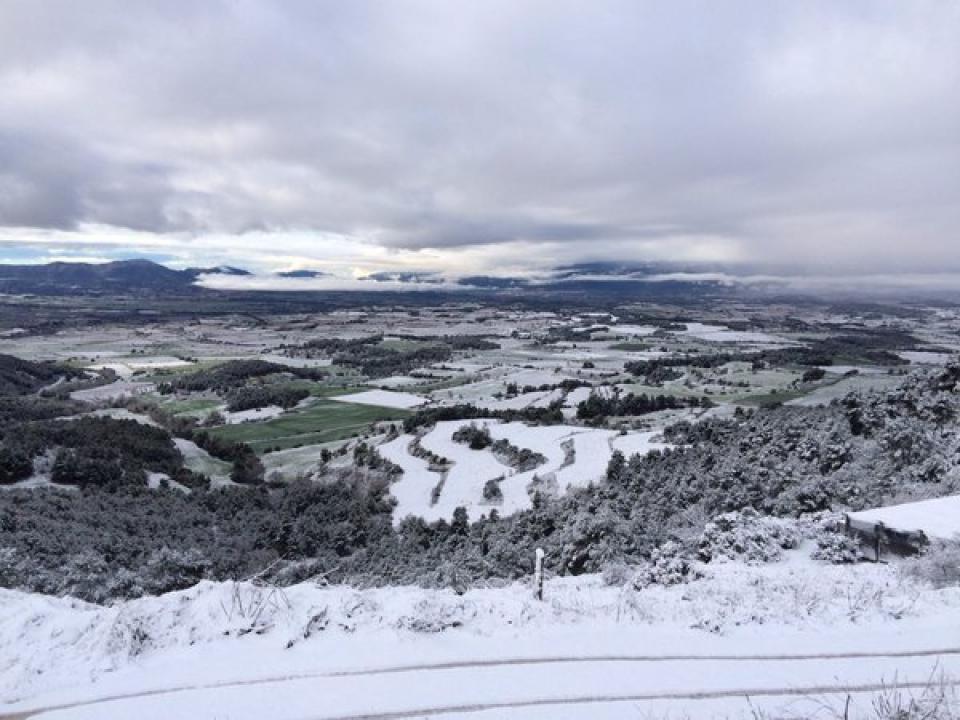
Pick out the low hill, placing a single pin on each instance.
(20, 377)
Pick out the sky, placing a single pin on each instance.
(481, 137)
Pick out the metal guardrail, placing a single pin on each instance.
(879, 537)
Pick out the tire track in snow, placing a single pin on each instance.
(794, 691)
(548, 660)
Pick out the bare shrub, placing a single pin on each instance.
(936, 699)
(616, 574)
(938, 564)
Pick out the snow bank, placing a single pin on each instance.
(937, 518)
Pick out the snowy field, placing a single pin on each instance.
(126, 368)
(635, 330)
(721, 333)
(252, 414)
(296, 362)
(484, 388)
(826, 394)
(463, 483)
(113, 391)
(925, 357)
(383, 398)
(791, 636)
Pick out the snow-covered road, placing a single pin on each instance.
(614, 686)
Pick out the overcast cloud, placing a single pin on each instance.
(481, 136)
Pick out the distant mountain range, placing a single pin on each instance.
(123, 277)
(148, 278)
(145, 278)
(301, 274)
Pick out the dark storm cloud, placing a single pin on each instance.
(762, 130)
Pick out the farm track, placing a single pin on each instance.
(546, 701)
(810, 691)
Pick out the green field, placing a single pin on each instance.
(771, 397)
(322, 421)
(201, 462)
(630, 346)
(188, 406)
(166, 374)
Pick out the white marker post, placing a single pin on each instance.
(538, 575)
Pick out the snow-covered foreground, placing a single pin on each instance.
(575, 457)
(792, 632)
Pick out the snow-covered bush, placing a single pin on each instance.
(8, 559)
(167, 570)
(616, 574)
(939, 564)
(492, 492)
(812, 525)
(668, 565)
(748, 536)
(826, 530)
(837, 549)
(476, 438)
(436, 613)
